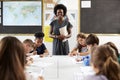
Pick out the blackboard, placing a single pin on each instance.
(102, 17)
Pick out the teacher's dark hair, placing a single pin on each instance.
(60, 6)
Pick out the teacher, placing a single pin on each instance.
(60, 31)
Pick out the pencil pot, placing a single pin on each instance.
(86, 62)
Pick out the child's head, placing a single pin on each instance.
(39, 38)
(81, 38)
(104, 61)
(114, 47)
(12, 59)
(28, 45)
(92, 40)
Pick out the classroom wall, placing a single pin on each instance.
(103, 39)
(72, 41)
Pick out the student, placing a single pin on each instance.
(105, 64)
(39, 46)
(12, 59)
(91, 41)
(28, 45)
(60, 45)
(81, 45)
(111, 44)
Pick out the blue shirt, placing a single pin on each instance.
(41, 49)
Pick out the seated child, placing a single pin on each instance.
(115, 48)
(81, 45)
(104, 63)
(28, 46)
(91, 41)
(12, 60)
(39, 46)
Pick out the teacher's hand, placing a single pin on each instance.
(61, 37)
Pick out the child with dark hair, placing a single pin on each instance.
(60, 44)
(39, 35)
(39, 46)
(91, 41)
(104, 63)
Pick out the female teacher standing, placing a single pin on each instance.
(60, 31)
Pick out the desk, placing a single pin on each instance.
(56, 67)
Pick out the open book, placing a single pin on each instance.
(63, 31)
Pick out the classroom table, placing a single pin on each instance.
(58, 68)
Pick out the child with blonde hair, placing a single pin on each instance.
(28, 45)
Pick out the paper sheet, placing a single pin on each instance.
(63, 31)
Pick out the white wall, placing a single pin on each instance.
(69, 4)
(115, 39)
(72, 13)
(103, 39)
